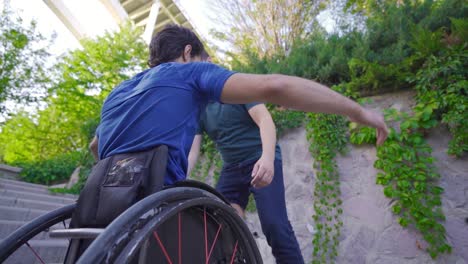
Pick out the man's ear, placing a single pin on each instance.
(187, 53)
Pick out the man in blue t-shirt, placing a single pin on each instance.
(161, 105)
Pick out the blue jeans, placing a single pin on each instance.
(234, 184)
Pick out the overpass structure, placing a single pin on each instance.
(153, 15)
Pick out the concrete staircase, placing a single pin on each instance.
(21, 202)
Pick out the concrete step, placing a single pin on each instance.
(20, 203)
(50, 251)
(19, 214)
(7, 227)
(16, 187)
(22, 183)
(26, 203)
(37, 197)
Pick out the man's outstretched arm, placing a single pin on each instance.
(299, 94)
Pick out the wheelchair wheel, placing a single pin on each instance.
(24, 234)
(176, 225)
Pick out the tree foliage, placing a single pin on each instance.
(266, 27)
(87, 76)
(23, 54)
(83, 78)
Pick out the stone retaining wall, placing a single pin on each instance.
(371, 233)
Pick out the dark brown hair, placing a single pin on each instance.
(204, 55)
(169, 44)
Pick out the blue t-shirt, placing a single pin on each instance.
(160, 106)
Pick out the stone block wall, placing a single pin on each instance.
(371, 233)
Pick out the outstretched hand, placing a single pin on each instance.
(262, 173)
(375, 120)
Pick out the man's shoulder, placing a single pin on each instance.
(131, 82)
(200, 67)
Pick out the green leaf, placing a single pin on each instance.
(405, 125)
(396, 209)
(437, 190)
(388, 191)
(403, 222)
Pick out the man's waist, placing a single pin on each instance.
(245, 154)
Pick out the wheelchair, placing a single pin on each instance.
(188, 222)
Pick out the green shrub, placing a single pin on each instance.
(320, 56)
(442, 90)
(397, 40)
(86, 164)
(51, 171)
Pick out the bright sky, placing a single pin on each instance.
(93, 18)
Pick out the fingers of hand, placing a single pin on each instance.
(269, 177)
(263, 178)
(255, 169)
(258, 178)
(382, 130)
(378, 136)
(381, 135)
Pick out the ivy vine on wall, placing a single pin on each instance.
(327, 136)
(409, 178)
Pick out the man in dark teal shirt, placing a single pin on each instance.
(245, 135)
(226, 124)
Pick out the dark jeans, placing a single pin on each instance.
(234, 184)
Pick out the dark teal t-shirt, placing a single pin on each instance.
(235, 133)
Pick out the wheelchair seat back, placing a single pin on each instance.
(114, 185)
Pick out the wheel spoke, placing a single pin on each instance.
(35, 253)
(162, 247)
(206, 235)
(234, 253)
(214, 242)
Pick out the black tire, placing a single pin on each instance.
(124, 236)
(18, 238)
(198, 185)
